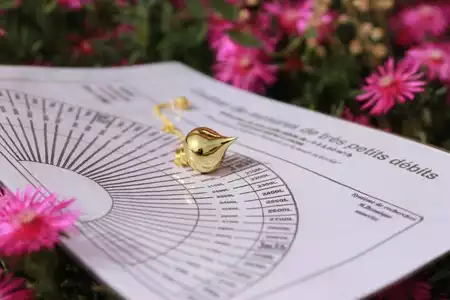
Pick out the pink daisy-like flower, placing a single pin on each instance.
(390, 84)
(290, 13)
(415, 24)
(324, 29)
(30, 221)
(226, 49)
(361, 119)
(74, 4)
(407, 290)
(435, 57)
(446, 9)
(246, 68)
(258, 25)
(218, 25)
(13, 288)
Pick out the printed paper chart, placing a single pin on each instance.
(181, 234)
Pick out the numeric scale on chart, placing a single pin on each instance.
(181, 234)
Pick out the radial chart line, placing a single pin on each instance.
(123, 246)
(134, 247)
(36, 144)
(10, 99)
(98, 150)
(118, 148)
(183, 234)
(75, 147)
(137, 182)
(161, 224)
(154, 232)
(55, 135)
(26, 139)
(118, 228)
(121, 177)
(11, 141)
(91, 143)
(102, 173)
(63, 151)
(18, 139)
(83, 171)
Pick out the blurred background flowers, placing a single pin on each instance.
(379, 63)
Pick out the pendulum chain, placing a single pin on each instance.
(181, 103)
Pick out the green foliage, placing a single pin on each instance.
(245, 39)
(225, 9)
(196, 9)
(107, 34)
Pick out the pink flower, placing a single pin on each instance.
(13, 288)
(30, 221)
(122, 29)
(245, 68)
(122, 3)
(257, 25)
(435, 57)
(226, 48)
(390, 84)
(74, 4)
(407, 290)
(359, 119)
(218, 25)
(417, 23)
(291, 13)
(362, 120)
(324, 29)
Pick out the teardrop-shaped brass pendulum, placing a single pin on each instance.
(203, 149)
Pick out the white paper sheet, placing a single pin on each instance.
(306, 206)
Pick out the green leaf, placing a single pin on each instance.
(244, 39)
(50, 6)
(410, 128)
(36, 47)
(198, 32)
(227, 10)
(441, 91)
(196, 9)
(192, 36)
(167, 45)
(142, 27)
(354, 93)
(166, 16)
(311, 33)
(7, 4)
(134, 57)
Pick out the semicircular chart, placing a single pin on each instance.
(182, 234)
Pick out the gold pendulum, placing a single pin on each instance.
(203, 149)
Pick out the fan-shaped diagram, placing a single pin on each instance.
(181, 234)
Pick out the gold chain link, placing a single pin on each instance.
(181, 103)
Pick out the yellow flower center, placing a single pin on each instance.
(426, 11)
(27, 216)
(290, 15)
(244, 62)
(436, 54)
(386, 81)
(244, 15)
